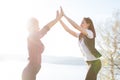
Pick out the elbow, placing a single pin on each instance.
(90, 36)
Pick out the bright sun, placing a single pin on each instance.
(13, 30)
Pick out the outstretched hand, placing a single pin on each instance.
(62, 12)
(58, 16)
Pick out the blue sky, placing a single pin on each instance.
(15, 14)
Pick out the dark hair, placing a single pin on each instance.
(91, 27)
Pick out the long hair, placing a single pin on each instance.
(91, 27)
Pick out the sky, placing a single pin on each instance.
(14, 16)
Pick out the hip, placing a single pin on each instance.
(31, 70)
(94, 62)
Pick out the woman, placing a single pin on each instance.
(36, 47)
(87, 44)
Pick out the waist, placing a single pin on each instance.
(93, 61)
(35, 60)
(34, 63)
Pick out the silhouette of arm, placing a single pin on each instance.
(48, 26)
(68, 30)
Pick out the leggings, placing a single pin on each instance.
(30, 72)
(93, 70)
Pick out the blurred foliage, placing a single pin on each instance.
(109, 45)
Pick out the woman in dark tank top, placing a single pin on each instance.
(87, 44)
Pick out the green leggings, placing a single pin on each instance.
(93, 70)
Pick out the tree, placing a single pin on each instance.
(109, 46)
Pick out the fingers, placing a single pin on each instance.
(58, 17)
(61, 11)
(57, 13)
(60, 14)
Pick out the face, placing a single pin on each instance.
(84, 24)
(33, 25)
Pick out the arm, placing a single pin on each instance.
(48, 26)
(74, 24)
(68, 30)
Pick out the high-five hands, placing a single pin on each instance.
(60, 14)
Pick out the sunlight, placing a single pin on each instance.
(14, 28)
(14, 16)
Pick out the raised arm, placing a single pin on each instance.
(48, 26)
(68, 30)
(73, 23)
(53, 22)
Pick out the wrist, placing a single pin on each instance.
(64, 15)
(56, 19)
